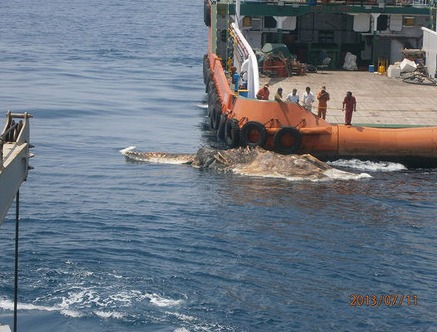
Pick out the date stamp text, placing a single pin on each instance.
(383, 300)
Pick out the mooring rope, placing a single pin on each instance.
(17, 218)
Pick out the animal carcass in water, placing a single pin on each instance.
(250, 162)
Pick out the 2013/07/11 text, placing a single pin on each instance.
(387, 300)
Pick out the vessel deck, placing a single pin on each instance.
(381, 101)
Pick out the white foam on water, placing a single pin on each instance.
(331, 174)
(116, 276)
(82, 300)
(336, 174)
(202, 106)
(181, 329)
(80, 297)
(182, 317)
(122, 298)
(367, 165)
(9, 305)
(109, 314)
(71, 313)
(78, 302)
(160, 301)
(195, 323)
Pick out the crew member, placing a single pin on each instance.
(322, 97)
(263, 93)
(308, 99)
(278, 95)
(350, 106)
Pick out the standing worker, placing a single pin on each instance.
(350, 103)
(323, 97)
(308, 99)
(293, 97)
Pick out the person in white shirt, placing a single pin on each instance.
(293, 97)
(308, 99)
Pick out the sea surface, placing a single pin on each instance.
(111, 245)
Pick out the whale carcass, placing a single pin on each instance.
(249, 162)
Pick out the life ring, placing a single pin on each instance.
(253, 134)
(221, 126)
(232, 133)
(287, 140)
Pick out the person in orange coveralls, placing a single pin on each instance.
(350, 106)
(323, 97)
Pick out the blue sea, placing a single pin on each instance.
(111, 245)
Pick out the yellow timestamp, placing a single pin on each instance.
(386, 300)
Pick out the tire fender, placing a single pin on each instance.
(287, 140)
(252, 134)
(232, 133)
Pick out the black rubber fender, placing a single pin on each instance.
(287, 140)
(205, 67)
(210, 87)
(221, 126)
(252, 134)
(232, 133)
(215, 117)
(212, 98)
(207, 13)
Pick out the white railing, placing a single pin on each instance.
(430, 47)
(414, 3)
(245, 61)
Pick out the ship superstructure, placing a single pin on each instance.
(375, 31)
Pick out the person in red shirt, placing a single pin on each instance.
(350, 106)
(263, 93)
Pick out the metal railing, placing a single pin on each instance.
(12, 131)
(404, 3)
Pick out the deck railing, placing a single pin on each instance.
(401, 3)
(13, 131)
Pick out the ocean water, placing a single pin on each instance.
(111, 245)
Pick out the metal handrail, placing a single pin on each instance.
(302, 2)
(12, 131)
(399, 3)
(3, 137)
